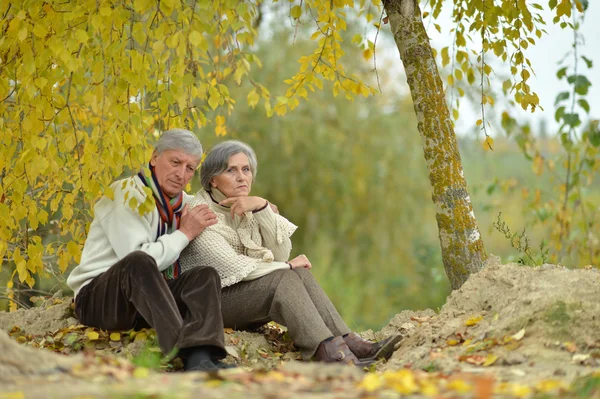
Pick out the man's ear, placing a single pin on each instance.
(153, 158)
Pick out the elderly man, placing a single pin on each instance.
(129, 275)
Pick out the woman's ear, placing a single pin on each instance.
(213, 183)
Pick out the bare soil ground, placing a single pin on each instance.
(510, 331)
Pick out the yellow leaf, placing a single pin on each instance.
(402, 381)
(371, 382)
(213, 101)
(115, 336)
(140, 336)
(488, 144)
(142, 5)
(538, 165)
(93, 335)
(452, 342)
(473, 321)
(479, 122)
(141, 372)
(458, 74)
(490, 359)
(445, 56)
(253, 98)
(12, 395)
(459, 386)
(520, 391)
(519, 336)
(73, 249)
(296, 12)
(367, 54)
(549, 385)
(316, 35)
(30, 281)
(22, 33)
(198, 40)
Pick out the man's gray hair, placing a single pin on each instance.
(179, 139)
(217, 160)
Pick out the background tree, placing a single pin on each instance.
(461, 242)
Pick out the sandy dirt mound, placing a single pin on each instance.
(19, 361)
(544, 322)
(53, 314)
(510, 331)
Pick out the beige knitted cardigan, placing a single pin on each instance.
(244, 248)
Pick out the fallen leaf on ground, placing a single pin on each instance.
(263, 353)
(473, 321)
(489, 360)
(580, 358)
(519, 336)
(459, 386)
(570, 347)
(477, 360)
(141, 336)
(141, 372)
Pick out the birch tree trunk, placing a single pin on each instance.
(462, 246)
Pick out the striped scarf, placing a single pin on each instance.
(170, 214)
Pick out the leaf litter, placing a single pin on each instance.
(510, 331)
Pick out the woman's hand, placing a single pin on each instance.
(241, 205)
(300, 261)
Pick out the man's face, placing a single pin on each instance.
(174, 169)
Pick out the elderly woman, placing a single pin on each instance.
(250, 247)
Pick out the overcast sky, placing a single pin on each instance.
(545, 55)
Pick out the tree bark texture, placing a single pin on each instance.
(462, 246)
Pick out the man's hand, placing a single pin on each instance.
(194, 222)
(300, 261)
(241, 205)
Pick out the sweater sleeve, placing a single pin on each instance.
(128, 231)
(276, 232)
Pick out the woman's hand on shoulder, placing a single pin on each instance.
(241, 205)
(300, 261)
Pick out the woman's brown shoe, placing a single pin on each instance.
(366, 350)
(337, 351)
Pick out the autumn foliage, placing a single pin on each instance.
(85, 86)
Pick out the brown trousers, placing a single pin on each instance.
(292, 298)
(185, 312)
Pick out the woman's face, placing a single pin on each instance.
(236, 181)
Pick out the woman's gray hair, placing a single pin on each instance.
(179, 139)
(217, 160)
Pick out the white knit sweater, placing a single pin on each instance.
(117, 230)
(242, 248)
